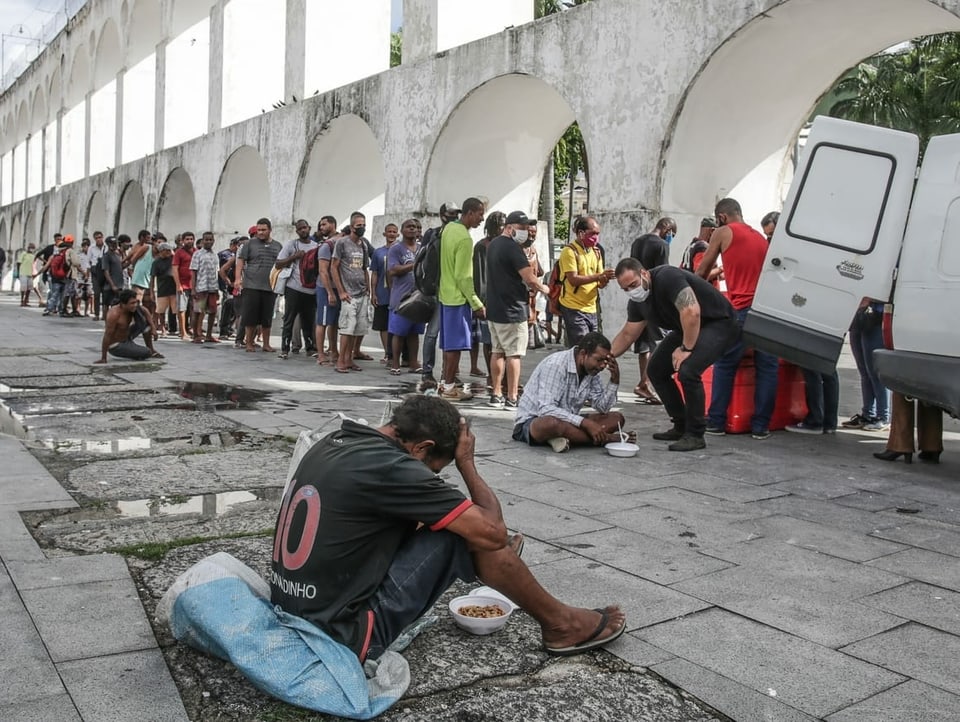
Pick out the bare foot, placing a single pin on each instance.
(268, 349)
(583, 630)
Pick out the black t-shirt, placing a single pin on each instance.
(665, 283)
(507, 298)
(480, 270)
(372, 493)
(651, 250)
(166, 285)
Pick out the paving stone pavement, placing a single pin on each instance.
(795, 578)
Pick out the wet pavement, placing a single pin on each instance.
(794, 578)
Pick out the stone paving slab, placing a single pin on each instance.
(153, 424)
(831, 513)
(722, 488)
(804, 675)
(932, 606)
(922, 565)
(878, 501)
(852, 546)
(637, 652)
(37, 405)
(692, 530)
(66, 381)
(911, 701)
(56, 708)
(659, 561)
(79, 621)
(926, 535)
(68, 571)
(735, 700)
(25, 481)
(29, 351)
(130, 686)
(695, 503)
(544, 521)
(16, 543)
(816, 488)
(919, 652)
(16, 367)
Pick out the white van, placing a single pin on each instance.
(843, 229)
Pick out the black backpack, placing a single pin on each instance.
(426, 266)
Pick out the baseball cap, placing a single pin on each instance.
(68, 238)
(252, 230)
(165, 246)
(449, 208)
(708, 222)
(519, 218)
(111, 240)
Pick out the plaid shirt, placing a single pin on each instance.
(207, 265)
(555, 389)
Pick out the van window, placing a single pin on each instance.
(842, 197)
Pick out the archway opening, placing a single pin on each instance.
(177, 210)
(103, 102)
(16, 234)
(131, 217)
(96, 219)
(68, 222)
(30, 226)
(735, 131)
(187, 83)
(252, 81)
(349, 146)
(243, 194)
(74, 124)
(45, 224)
(139, 82)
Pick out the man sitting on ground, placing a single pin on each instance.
(125, 321)
(549, 410)
(393, 536)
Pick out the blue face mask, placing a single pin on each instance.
(668, 237)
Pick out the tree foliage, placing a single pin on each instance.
(396, 48)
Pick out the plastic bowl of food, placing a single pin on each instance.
(623, 449)
(480, 615)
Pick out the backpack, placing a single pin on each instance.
(58, 267)
(695, 247)
(310, 268)
(555, 282)
(426, 265)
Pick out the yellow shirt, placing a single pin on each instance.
(582, 262)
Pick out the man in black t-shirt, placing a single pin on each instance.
(702, 326)
(392, 536)
(510, 278)
(164, 285)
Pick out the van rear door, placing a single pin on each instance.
(838, 240)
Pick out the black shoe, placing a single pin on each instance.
(929, 457)
(715, 430)
(688, 442)
(894, 455)
(674, 434)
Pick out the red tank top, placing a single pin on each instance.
(742, 263)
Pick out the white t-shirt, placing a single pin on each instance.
(289, 248)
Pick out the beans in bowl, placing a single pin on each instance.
(489, 611)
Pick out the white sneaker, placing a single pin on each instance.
(456, 394)
(876, 426)
(559, 444)
(803, 428)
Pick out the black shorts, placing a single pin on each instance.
(257, 307)
(381, 318)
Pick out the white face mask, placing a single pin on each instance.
(520, 236)
(638, 294)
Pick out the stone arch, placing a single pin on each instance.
(177, 208)
(504, 152)
(348, 145)
(143, 33)
(108, 58)
(45, 224)
(23, 122)
(132, 211)
(16, 233)
(95, 218)
(79, 79)
(54, 92)
(140, 80)
(30, 226)
(38, 110)
(743, 148)
(4, 239)
(68, 220)
(243, 193)
(187, 13)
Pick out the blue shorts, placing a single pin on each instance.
(455, 326)
(403, 326)
(521, 432)
(327, 315)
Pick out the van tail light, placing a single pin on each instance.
(888, 326)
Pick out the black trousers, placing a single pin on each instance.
(688, 411)
(228, 313)
(302, 305)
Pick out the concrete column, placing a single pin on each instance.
(421, 20)
(160, 97)
(118, 129)
(215, 108)
(294, 74)
(86, 134)
(59, 150)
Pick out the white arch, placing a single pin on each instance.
(16, 233)
(243, 193)
(139, 83)
(45, 224)
(498, 154)
(95, 219)
(68, 221)
(132, 213)
(177, 208)
(753, 94)
(103, 102)
(187, 13)
(143, 34)
(358, 183)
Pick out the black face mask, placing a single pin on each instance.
(359, 230)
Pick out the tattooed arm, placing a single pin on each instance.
(686, 304)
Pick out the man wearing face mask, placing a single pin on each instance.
(581, 268)
(510, 277)
(702, 327)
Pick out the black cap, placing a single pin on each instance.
(519, 218)
(449, 208)
(111, 239)
(708, 222)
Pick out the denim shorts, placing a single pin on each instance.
(455, 327)
(521, 432)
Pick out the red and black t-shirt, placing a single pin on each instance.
(356, 496)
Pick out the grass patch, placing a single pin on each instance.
(155, 551)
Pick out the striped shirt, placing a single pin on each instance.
(555, 389)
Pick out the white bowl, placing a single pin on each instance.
(622, 448)
(478, 625)
(491, 592)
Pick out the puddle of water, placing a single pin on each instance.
(204, 504)
(212, 397)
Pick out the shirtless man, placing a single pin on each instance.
(125, 321)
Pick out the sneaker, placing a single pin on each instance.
(688, 442)
(456, 394)
(715, 430)
(674, 434)
(495, 401)
(510, 404)
(803, 428)
(857, 421)
(830, 431)
(876, 425)
(761, 435)
(559, 444)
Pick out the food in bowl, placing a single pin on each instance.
(478, 614)
(488, 611)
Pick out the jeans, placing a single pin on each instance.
(54, 296)
(304, 305)
(430, 342)
(577, 324)
(823, 399)
(875, 396)
(767, 369)
(687, 411)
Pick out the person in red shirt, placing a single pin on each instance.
(744, 250)
(181, 272)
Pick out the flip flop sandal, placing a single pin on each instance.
(363, 357)
(594, 641)
(416, 370)
(395, 372)
(340, 370)
(649, 400)
(354, 367)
